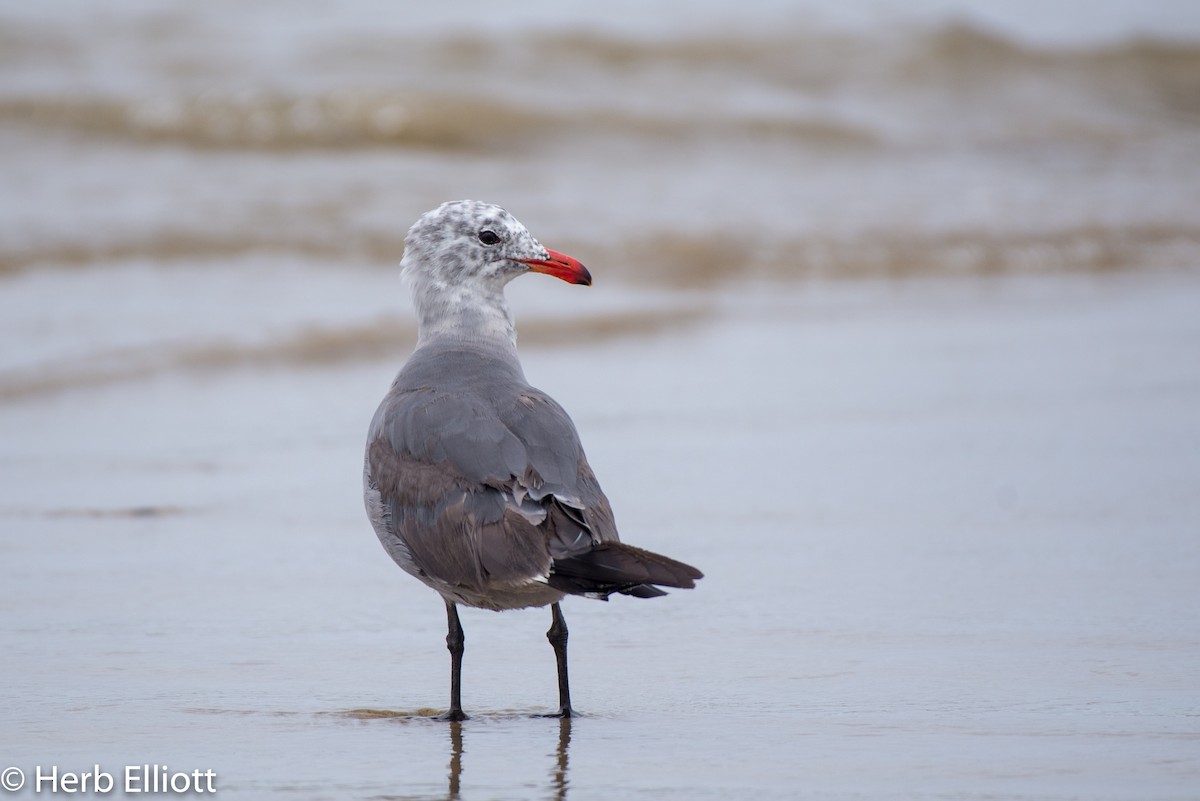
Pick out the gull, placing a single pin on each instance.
(476, 482)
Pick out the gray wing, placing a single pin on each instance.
(483, 491)
(478, 490)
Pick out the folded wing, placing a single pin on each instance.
(480, 492)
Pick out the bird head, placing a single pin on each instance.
(469, 242)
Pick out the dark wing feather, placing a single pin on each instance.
(616, 567)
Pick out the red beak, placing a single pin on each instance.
(561, 266)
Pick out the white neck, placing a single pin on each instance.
(471, 312)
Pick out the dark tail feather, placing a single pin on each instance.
(616, 567)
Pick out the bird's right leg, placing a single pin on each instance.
(557, 635)
(455, 639)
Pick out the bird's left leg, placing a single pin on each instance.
(455, 641)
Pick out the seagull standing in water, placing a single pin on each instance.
(476, 482)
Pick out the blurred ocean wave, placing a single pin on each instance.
(684, 259)
(353, 119)
(688, 261)
(213, 186)
(804, 124)
(814, 89)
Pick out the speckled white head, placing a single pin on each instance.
(458, 259)
(470, 241)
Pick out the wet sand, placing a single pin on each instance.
(949, 531)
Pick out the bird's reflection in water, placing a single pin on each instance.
(558, 775)
(456, 750)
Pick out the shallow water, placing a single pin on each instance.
(949, 532)
(893, 335)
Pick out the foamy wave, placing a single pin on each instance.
(698, 261)
(355, 119)
(205, 244)
(809, 76)
(689, 259)
(339, 119)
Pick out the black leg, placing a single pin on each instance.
(557, 635)
(455, 639)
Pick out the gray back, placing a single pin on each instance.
(481, 478)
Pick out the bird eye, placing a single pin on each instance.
(489, 237)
